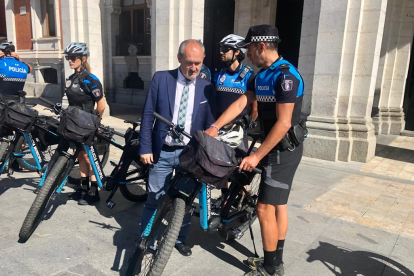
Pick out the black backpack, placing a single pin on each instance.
(18, 115)
(78, 125)
(210, 160)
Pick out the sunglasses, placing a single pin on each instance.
(225, 49)
(72, 58)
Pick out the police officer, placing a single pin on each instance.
(83, 90)
(13, 71)
(232, 81)
(278, 88)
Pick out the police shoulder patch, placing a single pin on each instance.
(287, 85)
(68, 82)
(96, 92)
(203, 75)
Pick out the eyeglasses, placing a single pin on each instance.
(225, 49)
(72, 58)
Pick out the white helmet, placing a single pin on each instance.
(233, 137)
(77, 48)
(231, 40)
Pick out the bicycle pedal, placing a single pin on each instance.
(113, 163)
(10, 172)
(110, 204)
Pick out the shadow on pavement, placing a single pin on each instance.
(7, 183)
(213, 243)
(343, 261)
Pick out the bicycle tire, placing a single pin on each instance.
(26, 163)
(136, 191)
(3, 151)
(38, 207)
(164, 246)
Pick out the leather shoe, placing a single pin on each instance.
(184, 249)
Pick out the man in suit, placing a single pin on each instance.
(182, 97)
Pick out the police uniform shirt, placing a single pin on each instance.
(87, 92)
(13, 74)
(230, 86)
(280, 83)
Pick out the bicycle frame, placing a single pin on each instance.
(33, 147)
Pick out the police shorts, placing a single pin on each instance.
(277, 182)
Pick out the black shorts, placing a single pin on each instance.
(276, 184)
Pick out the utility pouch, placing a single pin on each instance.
(298, 133)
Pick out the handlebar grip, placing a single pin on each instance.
(256, 170)
(162, 119)
(46, 101)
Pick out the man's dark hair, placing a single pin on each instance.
(272, 46)
(7, 51)
(240, 56)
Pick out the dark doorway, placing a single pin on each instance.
(218, 22)
(409, 94)
(289, 23)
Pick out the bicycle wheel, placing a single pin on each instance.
(39, 205)
(3, 150)
(153, 259)
(136, 190)
(26, 161)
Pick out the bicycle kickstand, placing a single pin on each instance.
(109, 203)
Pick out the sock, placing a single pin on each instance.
(279, 252)
(85, 183)
(94, 187)
(269, 261)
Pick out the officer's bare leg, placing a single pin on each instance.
(282, 220)
(268, 225)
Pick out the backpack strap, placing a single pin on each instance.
(245, 71)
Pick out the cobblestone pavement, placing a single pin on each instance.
(343, 221)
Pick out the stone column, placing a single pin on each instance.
(11, 30)
(249, 13)
(111, 30)
(387, 112)
(339, 58)
(171, 23)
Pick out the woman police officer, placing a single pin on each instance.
(83, 90)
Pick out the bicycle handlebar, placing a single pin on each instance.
(46, 101)
(171, 125)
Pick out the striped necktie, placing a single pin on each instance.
(182, 111)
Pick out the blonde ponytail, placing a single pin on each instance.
(85, 64)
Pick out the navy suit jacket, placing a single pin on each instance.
(161, 99)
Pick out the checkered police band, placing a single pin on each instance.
(264, 39)
(265, 99)
(230, 89)
(12, 79)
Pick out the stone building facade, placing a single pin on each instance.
(354, 55)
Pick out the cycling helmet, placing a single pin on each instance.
(77, 48)
(7, 44)
(232, 137)
(231, 40)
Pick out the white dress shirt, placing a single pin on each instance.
(190, 107)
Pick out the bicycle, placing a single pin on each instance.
(123, 176)
(157, 241)
(45, 136)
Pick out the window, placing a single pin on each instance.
(48, 18)
(134, 31)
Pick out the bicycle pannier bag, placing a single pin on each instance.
(209, 159)
(18, 115)
(78, 125)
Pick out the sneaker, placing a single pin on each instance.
(280, 270)
(89, 198)
(77, 194)
(254, 262)
(259, 271)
